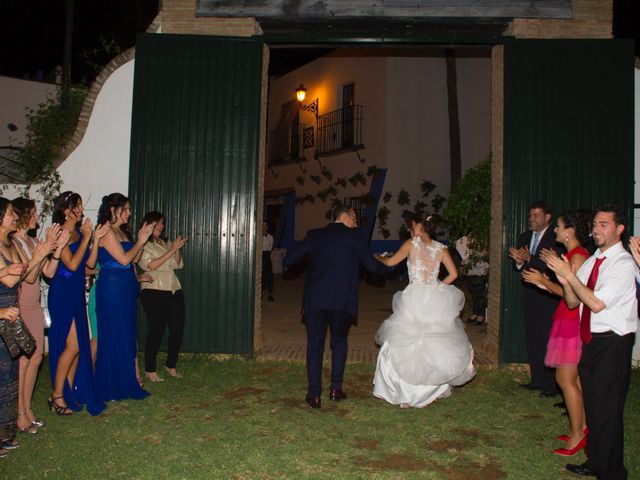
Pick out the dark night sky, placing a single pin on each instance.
(33, 32)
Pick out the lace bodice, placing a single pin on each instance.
(424, 261)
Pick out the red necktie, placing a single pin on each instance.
(585, 319)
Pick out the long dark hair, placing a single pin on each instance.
(65, 201)
(115, 201)
(154, 217)
(580, 221)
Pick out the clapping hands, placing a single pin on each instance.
(634, 246)
(520, 255)
(178, 243)
(145, 231)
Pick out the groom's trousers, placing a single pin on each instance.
(339, 322)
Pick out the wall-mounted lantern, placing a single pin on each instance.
(312, 107)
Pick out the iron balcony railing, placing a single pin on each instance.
(340, 130)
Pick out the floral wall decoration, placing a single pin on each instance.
(403, 197)
(316, 179)
(326, 173)
(356, 178)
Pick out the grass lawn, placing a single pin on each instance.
(242, 419)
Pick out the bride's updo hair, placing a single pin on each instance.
(427, 221)
(65, 201)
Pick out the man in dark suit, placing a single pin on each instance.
(538, 304)
(331, 295)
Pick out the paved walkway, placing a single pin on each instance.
(284, 333)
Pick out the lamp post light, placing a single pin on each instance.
(312, 107)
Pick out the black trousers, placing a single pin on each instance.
(538, 309)
(317, 320)
(162, 309)
(604, 369)
(477, 285)
(267, 272)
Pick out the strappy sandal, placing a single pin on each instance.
(30, 429)
(36, 422)
(58, 409)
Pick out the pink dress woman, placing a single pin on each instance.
(564, 346)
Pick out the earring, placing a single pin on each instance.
(113, 218)
(566, 239)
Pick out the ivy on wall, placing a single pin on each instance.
(50, 126)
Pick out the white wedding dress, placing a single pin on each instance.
(425, 350)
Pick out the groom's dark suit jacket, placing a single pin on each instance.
(335, 253)
(538, 307)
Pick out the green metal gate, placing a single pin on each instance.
(568, 139)
(194, 157)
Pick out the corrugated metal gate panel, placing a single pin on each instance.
(194, 157)
(568, 139)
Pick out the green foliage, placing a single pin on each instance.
(326, 173)
(300, 180)
(316, 179)
(341, 181)
(387, 197)
(469, 208)
(49, 128)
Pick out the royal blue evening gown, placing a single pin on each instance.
(67, 303)
(116, 307)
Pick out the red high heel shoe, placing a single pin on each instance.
(564, 438)
(570, 452)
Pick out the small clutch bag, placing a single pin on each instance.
(17, 337)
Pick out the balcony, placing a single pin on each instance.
(340, 131)
(286, 146)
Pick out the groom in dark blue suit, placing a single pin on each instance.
(331, 295)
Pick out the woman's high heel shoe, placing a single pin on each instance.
(30, 429)
(564, 438)
(58, 409)
(36, 421)
(570, 452)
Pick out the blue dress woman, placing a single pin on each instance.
(72, 375)
(117, 289)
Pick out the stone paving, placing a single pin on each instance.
(284, 333)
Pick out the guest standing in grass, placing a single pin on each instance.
(13, 341)
(565, 347)
(30, 307)
(162, 298)
(72, 375)
(116, 301)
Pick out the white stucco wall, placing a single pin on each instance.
(16, 96)
(100, 164)
(405, 125)
(323, 79)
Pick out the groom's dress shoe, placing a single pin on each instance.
(529, 386)
(314, 402)
(580, 470)
(337, 394)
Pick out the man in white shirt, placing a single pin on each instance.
(267, 266)
(604, 289)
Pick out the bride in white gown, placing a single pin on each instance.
(425, 351)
